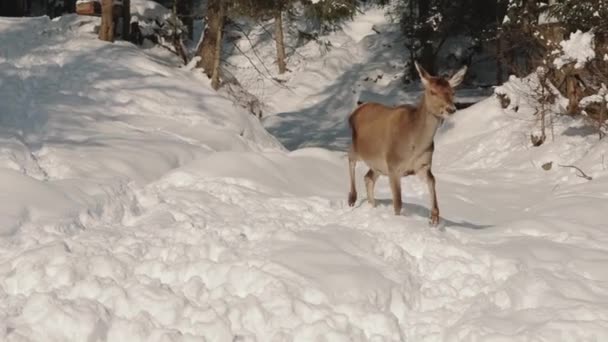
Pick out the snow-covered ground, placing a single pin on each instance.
(139, 205)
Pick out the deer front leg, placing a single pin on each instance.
(430, 181)
(395, 182)
(370, 181)
(352, 195)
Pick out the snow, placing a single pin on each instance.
(600, 99)
(578, 48)
(363, 24)
(526, 92)
(140, 205)
(149, 10)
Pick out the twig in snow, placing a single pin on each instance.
(582, 175)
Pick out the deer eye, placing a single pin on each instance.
(434, 93)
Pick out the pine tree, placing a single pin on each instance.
(583, 15)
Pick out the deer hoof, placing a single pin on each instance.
(352, 198)
(434, 219)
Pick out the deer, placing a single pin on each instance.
(399, 141)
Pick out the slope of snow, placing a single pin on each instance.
(139, 205)
(82, 120)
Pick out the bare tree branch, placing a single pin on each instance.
(582, 175)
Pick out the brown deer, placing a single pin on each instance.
(398, 141)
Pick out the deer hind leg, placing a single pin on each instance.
(395, 182)
(427, 175)
(352, 163)
(370, 181)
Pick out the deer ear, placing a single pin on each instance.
(457, 78)
(424, 76)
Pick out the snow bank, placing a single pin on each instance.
(82, 132)
(485, 136)
(525, 94)
(600, 97)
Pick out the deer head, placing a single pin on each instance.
(439, 92)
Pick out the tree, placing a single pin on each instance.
(126, 19)
(215, 76)
(520, 35)
(280, 41)
(210, 47)
(584, 15)
(106, 31)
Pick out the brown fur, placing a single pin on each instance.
(398, 141)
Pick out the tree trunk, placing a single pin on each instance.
(573, 94)
(215, 78)
(106, 31)
(499, 75)
(278, 22)
(126, 19)
(214, 20)
(184, 13)
(499, 56)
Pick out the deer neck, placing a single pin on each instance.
(428, 122)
